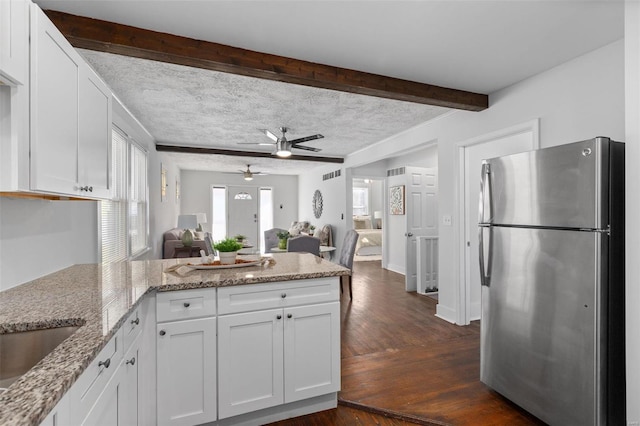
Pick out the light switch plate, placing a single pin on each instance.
(446, 220)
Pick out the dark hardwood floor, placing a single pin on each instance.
(402, 365)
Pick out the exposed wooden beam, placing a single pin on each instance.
(110, 37)
(216, 151)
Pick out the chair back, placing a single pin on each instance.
(348, 249)
(271, 239)
(325, 235)
(304, 243)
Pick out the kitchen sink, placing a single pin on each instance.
(20, 351)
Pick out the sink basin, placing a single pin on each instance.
(20, 351)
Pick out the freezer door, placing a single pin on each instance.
(540, 323)
(563, 186)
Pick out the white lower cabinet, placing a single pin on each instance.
(277, 356)
(186, 354)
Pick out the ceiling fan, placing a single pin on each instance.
(284, 146)
(248, 174)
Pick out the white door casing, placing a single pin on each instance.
(421, 207)
(519, 138)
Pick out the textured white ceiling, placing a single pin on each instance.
(476, 45)
(194, 107)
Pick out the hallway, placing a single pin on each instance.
(403, 365)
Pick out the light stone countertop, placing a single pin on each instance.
(99, 297)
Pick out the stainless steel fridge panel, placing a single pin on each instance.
(540, 323)
(563, 186)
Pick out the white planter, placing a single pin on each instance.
(227, 258)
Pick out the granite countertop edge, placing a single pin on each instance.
(32, 397)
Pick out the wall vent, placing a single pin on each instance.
(331, 175)
(396, 172)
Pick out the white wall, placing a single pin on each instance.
(632, 148)
(196, 194)
(334, 192)
(577, 100)
(38, 237)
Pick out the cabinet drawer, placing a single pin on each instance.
(185, 304)
(253, 297)
(92, 381)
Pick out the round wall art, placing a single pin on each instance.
(317, 204)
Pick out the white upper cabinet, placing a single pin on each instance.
(70, 117)
(14, 41)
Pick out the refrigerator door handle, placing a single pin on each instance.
(485, 272)
(485, 187)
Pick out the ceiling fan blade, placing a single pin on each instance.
(307, 148)
(307, 138)
(269, 134)
(260, 173)
(255, 143)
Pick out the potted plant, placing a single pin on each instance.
(312, 230)
(240, 238)
(284, 236)
(227, 250)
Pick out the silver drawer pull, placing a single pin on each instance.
(162, 332)
(135, 321)
(106, 363)
(131, 361)
(283, 295)
(186, 304)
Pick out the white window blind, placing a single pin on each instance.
(123, 220)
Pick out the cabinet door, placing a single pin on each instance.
(128, 405)
(55, 74)
(311, 351)
(14, 41)
(94, 135)
(105, 411)
(250, 362)
(186, 352)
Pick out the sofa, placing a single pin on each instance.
(172, 239)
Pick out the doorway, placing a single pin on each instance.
(471, 153)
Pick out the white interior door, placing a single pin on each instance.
(242, 212)
(473, 156)
(421, 214)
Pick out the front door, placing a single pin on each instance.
(242, 213)
(422, 216)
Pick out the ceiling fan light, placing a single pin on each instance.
(283, 149)
(247, 177)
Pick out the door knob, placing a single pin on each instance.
(408, 234)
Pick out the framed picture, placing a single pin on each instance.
(396, 199)
(163, 184)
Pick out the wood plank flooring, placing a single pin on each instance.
(402, 365)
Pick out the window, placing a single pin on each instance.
(266, 214)
(123, 220)
(219, 207)
(360, 201)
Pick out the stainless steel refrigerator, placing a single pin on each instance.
(551, 228)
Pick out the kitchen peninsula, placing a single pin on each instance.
(134, 313)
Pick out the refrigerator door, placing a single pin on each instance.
(540, 323)
(564, 186)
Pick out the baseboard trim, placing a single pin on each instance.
(390, 413)
(445, 313)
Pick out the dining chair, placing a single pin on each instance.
(304, 243)
(271, 239)
(346, 256)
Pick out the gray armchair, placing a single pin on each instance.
(271, 239)
(346, 255)
(304, 243)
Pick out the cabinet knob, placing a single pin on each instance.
(283, 295)
(135, 321)
(106, 363)
(279, 316)
(131, 361)
(91, 189)
(162, 332)
(289, 315)
(186, 304)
